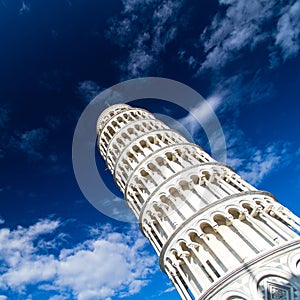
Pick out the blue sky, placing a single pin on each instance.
(55, 56)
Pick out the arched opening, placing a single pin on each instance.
(144, 173)
(160, 161)
(184, 185)
(195, 179)
(234, 212)
(248, 207)
(219, 219)
(125, 136)
(174, 192)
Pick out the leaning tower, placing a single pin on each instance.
(217, 236)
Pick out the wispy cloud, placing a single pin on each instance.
(169, 289)
(265, 33)
(25, 8)
(246, 24)
(200, 116)
(30, 142)
(240, 26)
(254, 163)
(86, 271)
(53, 122)
(245, 88)
(4, 116)
(262, 163)
(139, 63)
(88, 90)
(144, 30)
(287, 35)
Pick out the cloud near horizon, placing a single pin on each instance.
(27, 259)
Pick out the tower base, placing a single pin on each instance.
(274, 275)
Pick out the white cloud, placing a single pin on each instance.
(58, 297)
(202, 112)
(288, 31)
(30, 142)
(3, 297)
(138, 62)
(2, 221)
(25, 8)
(86, 271)
(88, 90)
(244, 25)
(251, 162)
(232, 39)
(169, 290)
(133, 5)
(244, 88)
(261, 164)
(239, 27)
(145, 29)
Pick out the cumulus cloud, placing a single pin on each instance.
(111, 264)
(144, 30)
(30, 142)
(88, 90)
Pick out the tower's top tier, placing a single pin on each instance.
(108, 113)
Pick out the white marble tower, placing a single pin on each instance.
(217, 236)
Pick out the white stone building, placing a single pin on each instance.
(217, 236)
